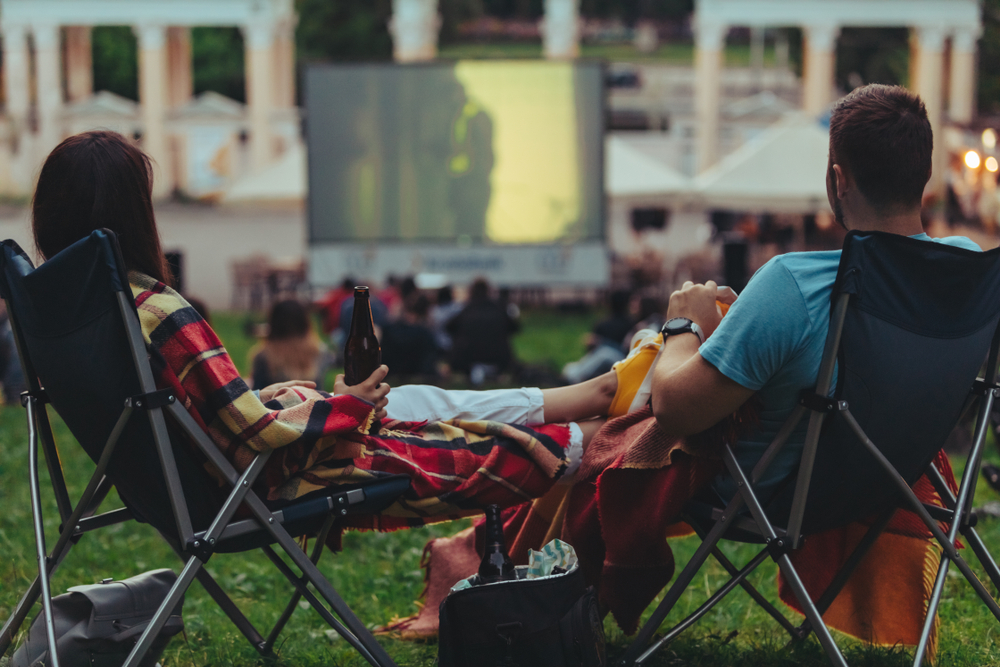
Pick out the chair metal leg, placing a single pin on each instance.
(296, 596)
(159, 619)
(636, 653)
(302, 588)
(844, 574)
(738, 579)
(36, 512)
(762, 601)
(353, 623)
(815, 618)
(227, 605)
(968, 532)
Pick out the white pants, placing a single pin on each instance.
(419, 402)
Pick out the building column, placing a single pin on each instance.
(79, 63)
(17, 97)
(153, 100)
(710, 40)
(180, 80)
(284, 69)
(259, 42)
(561, 29)
(962, 92)
(48, 78)
(820, 65)
(927, 81)
(414, 28)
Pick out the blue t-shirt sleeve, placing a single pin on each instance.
(762, 330)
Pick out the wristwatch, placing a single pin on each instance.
(682, 325)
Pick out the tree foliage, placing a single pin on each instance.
(989, 59)
(344, 29)
(115, 58)
(217, 56)
(873, 55)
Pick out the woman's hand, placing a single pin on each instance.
(372, 390)
(269, 392)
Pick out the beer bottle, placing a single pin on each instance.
(362, 354)
(496, 564)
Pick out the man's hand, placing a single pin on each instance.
(697, 303)
(372, 390)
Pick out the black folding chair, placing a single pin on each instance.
(912, 324)
(78, 336)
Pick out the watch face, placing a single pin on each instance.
(676, 325)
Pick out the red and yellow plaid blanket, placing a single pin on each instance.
(456, 468)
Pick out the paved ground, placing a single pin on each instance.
(209, 237)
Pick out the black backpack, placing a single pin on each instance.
(97, 625)
(552, 621)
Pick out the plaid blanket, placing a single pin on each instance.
(456, 468)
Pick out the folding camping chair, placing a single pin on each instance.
(912, 324)
(78, 336)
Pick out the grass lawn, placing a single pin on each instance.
(379, 574)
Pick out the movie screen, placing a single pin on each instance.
(482, 152)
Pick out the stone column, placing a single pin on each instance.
(16, 84)
(153, 100)
(561, 29)
(414, 28)
(17, 96)
(927, 80)
(710, 40)
(79, 64)
(284, 65)
(48, 73)
(180, 80)
(259, 42)
(820, 67)
(962, 93)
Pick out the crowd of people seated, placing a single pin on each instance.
(428, 340)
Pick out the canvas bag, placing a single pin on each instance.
(97, 625)
(553, 621)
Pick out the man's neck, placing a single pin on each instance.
(906, 223)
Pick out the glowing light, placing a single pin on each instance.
(991, 164)
(989, 138)
(972, 160)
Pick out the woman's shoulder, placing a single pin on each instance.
(150, 293)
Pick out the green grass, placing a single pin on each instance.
(379, 574)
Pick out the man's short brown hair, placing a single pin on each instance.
(881, 135)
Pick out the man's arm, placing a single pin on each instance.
(689, 394)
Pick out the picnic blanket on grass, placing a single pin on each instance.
(456, 468)
(633, 482)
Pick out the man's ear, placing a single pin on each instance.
(841, 181)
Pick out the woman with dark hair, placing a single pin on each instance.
(102, 180)
(291, 349)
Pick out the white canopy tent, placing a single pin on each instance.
(631, 173)
(781, 171)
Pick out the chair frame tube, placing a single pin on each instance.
(348, 625)
(960, 520)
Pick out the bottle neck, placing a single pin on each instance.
(361, 320)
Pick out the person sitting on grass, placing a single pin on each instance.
(462, 450)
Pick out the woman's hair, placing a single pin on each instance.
(292, 349)
(288, 319)
(94, 180)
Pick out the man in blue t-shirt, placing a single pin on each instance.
(770, 342)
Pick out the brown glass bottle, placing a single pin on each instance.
(496, 564)
(362, 354)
